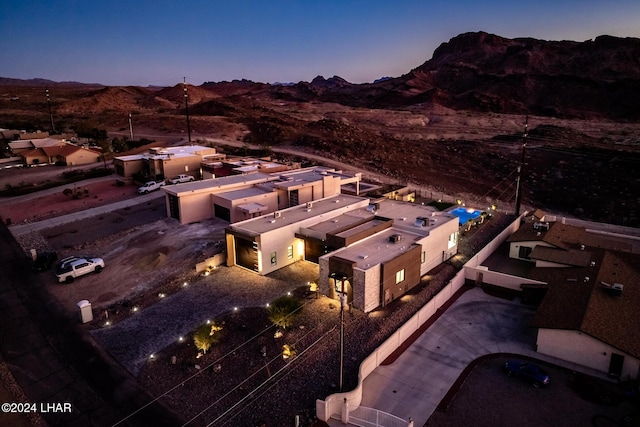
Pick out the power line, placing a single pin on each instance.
(183, 382)
(269, 379)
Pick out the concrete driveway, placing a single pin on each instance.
(475, 325)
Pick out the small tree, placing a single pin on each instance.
(205, 336)
(283, 311)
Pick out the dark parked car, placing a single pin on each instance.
(528, 371)
(45, 261)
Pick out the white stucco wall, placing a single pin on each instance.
(279, 243)
(583, 349)
(435, 244)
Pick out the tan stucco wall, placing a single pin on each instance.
(36, 159)
(514, 248)
(435, 244)
(128, 168)
(82, 157)
(194, 207)
(181, 165)
(583, 349)
(278, 241)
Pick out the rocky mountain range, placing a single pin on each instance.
(453, 123)
(484, 72)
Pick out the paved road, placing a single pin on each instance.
(18, 230)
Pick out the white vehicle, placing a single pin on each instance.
(150, 186)
(72, 267)
(180, 179)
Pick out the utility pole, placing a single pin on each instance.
(521, 166)
(130, 128)
(186, 108)
(53, 126)
(343, 298)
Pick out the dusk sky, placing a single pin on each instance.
(158, 42)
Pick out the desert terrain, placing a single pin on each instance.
(574, 167)
(445, 128)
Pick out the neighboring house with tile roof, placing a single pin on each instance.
(590, 313)
(22, 146)
(66, 153)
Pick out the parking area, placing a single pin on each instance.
(476, 325)
(488, 397)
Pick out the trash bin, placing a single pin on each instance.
(84, 307)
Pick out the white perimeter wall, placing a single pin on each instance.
(333, 404)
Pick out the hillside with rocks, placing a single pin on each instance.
(453, 124)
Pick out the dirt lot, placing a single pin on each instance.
(141, 246)
(56, 204)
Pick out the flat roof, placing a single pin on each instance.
(378, 248)
(242, 193)
(207, 185)
(360, 228)
(297, 214)
(130, 157)
(337, 223)
(299, 177)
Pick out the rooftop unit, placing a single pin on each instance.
(373, 207)
(613, 290)
(540, 226)
(395, 238)
(421, 221)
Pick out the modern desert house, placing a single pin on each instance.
(165, 162)
(236, 198)
(373, 251)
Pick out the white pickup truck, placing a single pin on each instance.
(180, 179)
(150, 186)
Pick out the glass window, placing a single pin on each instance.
(274, 258)
(290, 252)
(399, 276)
(524, 252)
(423, 257)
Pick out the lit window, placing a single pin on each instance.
(399, 276)
(423, 257)
(290, 252)
(186, 168)
(274, 258)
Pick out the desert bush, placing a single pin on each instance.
(284, 310)
(289, 351)
(205, 336)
